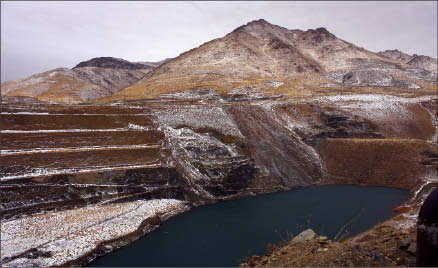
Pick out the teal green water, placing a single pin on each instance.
(224, 233)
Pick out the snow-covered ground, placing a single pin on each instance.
(201, 93)
(427, 179)
(36, 172)
(85, 114)
(275, 84)
(410, 218)
(78, 149)
(70, 234)
(194, 116)
(387, 110)
(372, 105)
(372, 98)
(27, 113)
(131, 127)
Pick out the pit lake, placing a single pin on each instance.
(223, 234)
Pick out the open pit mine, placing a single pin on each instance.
(94, 157)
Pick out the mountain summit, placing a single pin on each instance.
(115, 63)
(259, 51)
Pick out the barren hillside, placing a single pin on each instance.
(89, 80)
(271, 59)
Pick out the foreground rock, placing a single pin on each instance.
(304, 237)
(388, 244)
(377, 247)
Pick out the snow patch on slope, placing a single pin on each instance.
(70, 234)
(130, 127)
(37, 172)
(78, 149)
(194, 116)
(386, 109)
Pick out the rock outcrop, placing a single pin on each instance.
(419, 61)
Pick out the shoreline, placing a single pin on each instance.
(375, 246)
(151, 223)
(250, 194)
(113, 227)
(109, 246)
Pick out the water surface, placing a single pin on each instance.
(224, 233)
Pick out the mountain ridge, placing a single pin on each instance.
(115, 63)
(264, 58)
(88, 80)
(259, 51)
(421, 61)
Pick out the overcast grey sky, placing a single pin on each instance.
(38, 36)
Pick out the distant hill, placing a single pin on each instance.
(89, 80)
(114, 63)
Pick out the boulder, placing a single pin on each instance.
(322, 238)
(154, 220)
(404, 243)
(412, 249)
(304, 237)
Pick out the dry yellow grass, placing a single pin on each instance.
(155, 87)
(299, 85)
(381, 162)
(58, 88)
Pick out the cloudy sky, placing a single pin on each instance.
(38, 36)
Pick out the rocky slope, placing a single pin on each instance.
(383, 246)
(271, 59)
(154, 64)
(423, 62)
(89, 80)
